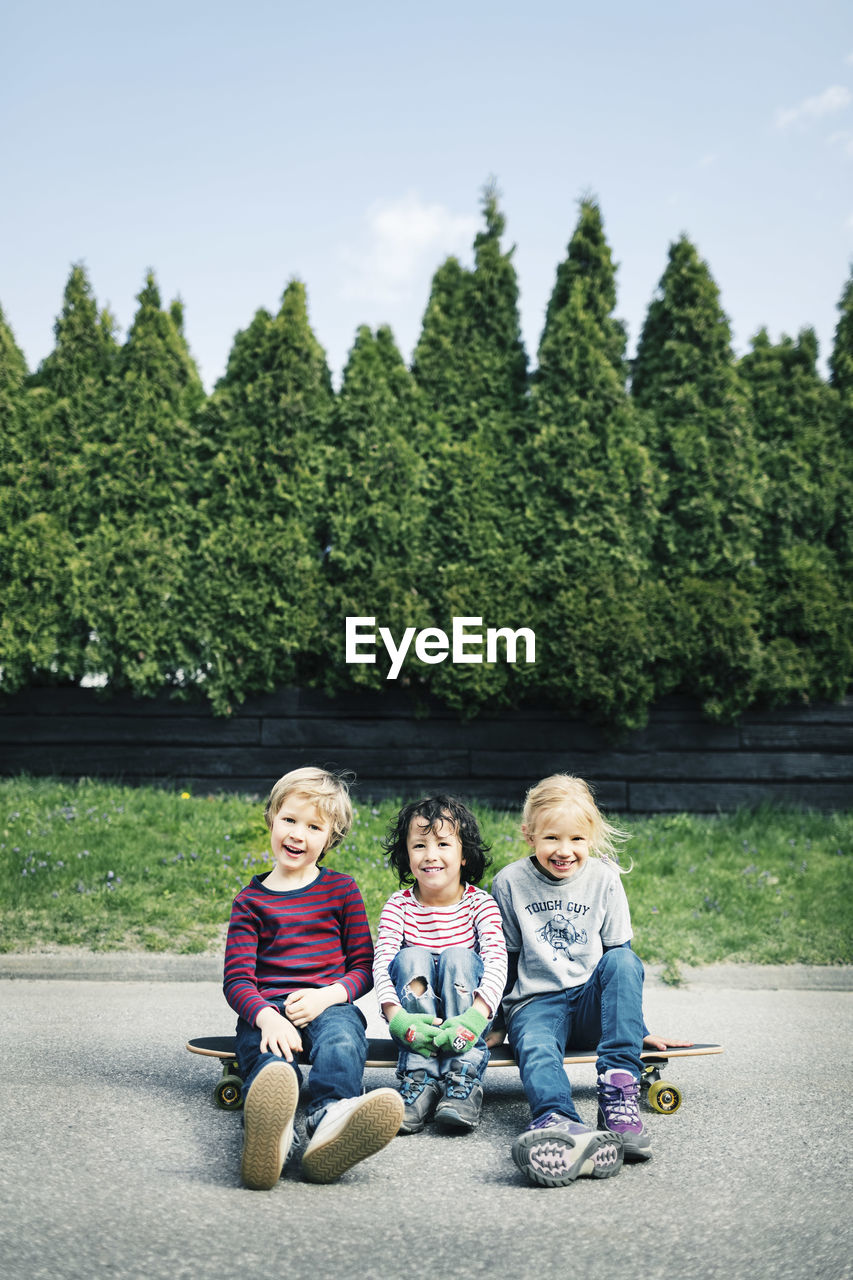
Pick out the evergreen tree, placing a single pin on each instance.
(259, 600)
(806, 614)
(440, 362)
(498, 363)
(841, 359)
(800, 446)
(85, 349)
(133, 572)
(470, 367)
(35, 550)
(13, 372)
(13, 368)
(591, 488)
(74, 385)
(684, 376)
(841, 381)
(587, 455)
(373, 544)
(469, 360)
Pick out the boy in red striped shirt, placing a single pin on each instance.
(298, 954)
(440, 963)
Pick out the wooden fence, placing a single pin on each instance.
(678, 762)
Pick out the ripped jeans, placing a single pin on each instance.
(451, 978)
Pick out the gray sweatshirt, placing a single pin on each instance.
(559, 929)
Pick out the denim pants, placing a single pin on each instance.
(451, 978)
(607, 1011)
(336, 1047)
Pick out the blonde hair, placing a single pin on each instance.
(563, 792)
(328, 791)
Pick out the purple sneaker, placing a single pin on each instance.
(555, 1150)
(619, 1112)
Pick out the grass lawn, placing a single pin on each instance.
(108, 867)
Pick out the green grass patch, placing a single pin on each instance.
(106, 867)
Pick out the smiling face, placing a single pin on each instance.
(560, 842)
(299, 836)
(436, 861)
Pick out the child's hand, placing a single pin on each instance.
(495, 1037)
(278, 1036)
(665, 1042)
(308, 1003)
(416, 1030)
(458, 1034)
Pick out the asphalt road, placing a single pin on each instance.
(116, 1163)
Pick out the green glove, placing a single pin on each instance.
(457, 1035)
(416, 1030)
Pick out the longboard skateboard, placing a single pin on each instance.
(661, 1095)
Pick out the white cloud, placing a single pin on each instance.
(405, 239)
(835, 98)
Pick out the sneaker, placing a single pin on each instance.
(350, 1130)
(555, 1150)
(420, 1092)
(268, 1125)
(462, 1102)
(619, 1112)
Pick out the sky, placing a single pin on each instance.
(231, 149)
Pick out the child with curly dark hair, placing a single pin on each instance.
(440, 962)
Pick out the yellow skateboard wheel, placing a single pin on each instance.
(664, 1097)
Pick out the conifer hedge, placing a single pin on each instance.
(682, 522)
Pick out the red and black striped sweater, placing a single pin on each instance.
(309, 937)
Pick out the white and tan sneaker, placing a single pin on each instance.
(350, 1130)
(268, 1125)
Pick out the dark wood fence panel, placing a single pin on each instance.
(800, 755)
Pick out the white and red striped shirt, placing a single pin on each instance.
(473, 922)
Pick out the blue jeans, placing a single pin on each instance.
(607, 1011)
(337, 1051)
(451, 978)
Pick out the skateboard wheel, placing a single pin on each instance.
(228, 1094)
(664, 1097)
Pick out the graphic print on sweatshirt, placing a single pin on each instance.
(560, 931)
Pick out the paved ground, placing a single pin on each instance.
(115, 1163)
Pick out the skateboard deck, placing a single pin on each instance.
(661, 1095)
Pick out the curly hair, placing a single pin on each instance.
(433, 811)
